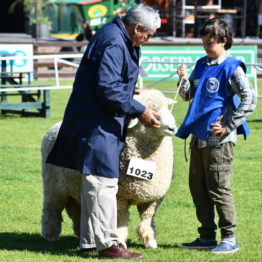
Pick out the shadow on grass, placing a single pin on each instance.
(67, 245)
(9, 116)
(131, 244)
(255, 120)
(34, 242)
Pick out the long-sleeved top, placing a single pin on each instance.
(93, 128)
(238, 84)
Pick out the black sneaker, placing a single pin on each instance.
(200, 244)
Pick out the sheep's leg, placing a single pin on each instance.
(122, 220)
(52, 216)
(73, 211)
(146, 229)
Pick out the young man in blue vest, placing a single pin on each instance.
(214, 118)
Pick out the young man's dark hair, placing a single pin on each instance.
(218, 29)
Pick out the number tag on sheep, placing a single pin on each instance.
(141, 168)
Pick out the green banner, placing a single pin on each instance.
(163, 56)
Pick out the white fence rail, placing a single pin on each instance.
(61, 59)
(56, 59)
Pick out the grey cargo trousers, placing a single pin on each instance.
(209, 181)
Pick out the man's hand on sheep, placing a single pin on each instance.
(138, 91)
(148, 118)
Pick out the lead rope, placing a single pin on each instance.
(175, 97)
(172, 105)
(174, 102)
(185, 151)
(185, 155)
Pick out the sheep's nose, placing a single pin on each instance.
(172, 130)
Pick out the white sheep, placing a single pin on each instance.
(62, 186)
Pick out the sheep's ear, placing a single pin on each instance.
(133, 122)
(170, 101)
(135, 97)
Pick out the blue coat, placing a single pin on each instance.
(93, 128)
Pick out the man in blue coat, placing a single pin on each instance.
(94, 124)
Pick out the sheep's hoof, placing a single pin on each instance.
(151, 244)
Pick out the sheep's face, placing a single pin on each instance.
(168, 123)
(156, 100)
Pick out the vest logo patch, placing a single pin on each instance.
(212, 85)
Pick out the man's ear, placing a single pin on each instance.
(138, 28)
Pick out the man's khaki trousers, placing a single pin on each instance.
(98, 225)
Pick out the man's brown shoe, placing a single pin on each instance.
(119, 251)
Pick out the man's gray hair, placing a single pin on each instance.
(144, 15)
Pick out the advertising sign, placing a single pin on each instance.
(19, 65)
(167, 58)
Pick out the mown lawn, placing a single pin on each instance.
(21, 196)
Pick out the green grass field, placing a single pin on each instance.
(21, 196)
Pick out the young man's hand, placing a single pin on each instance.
(218, 130)
(182, 72)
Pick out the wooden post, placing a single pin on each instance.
(245, 19)
(37, 15)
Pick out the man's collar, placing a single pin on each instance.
(118, 21)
